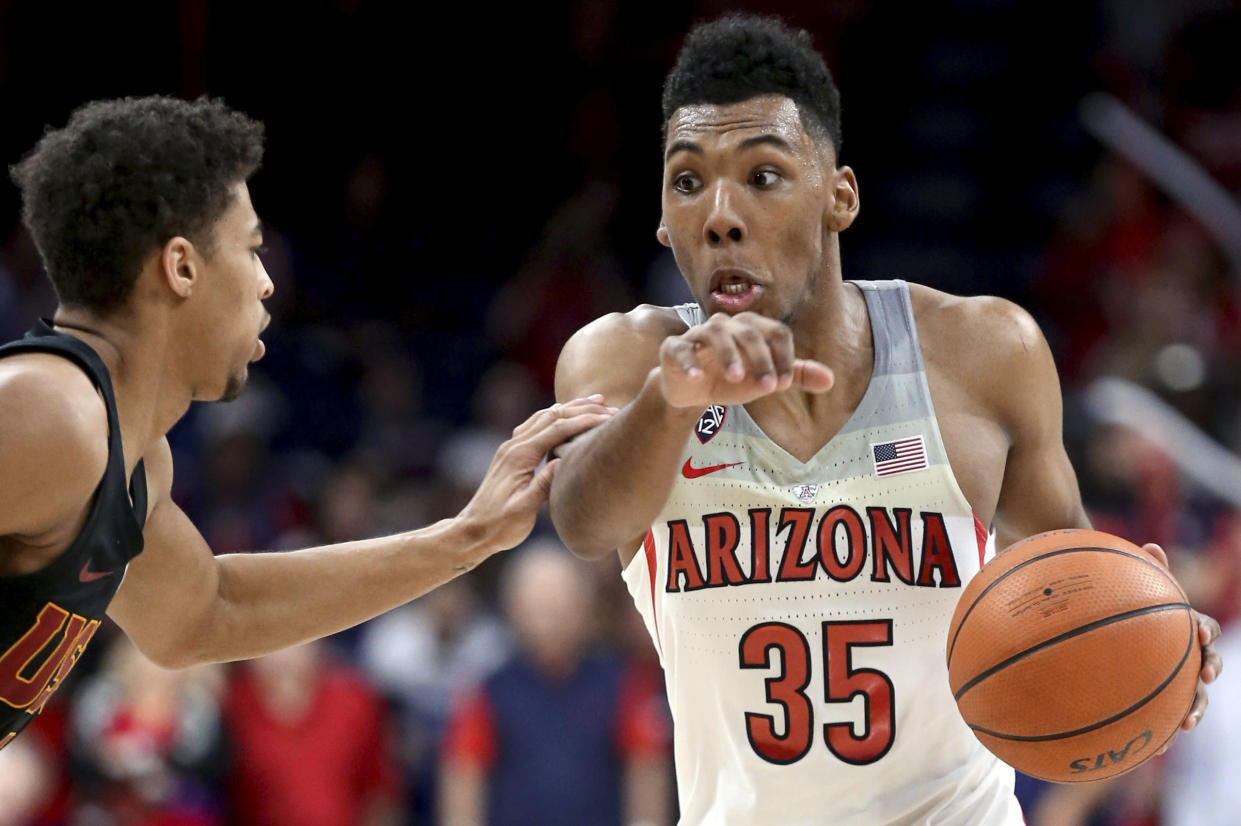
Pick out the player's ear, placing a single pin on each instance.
(843, 207)
(179, 266)
(661, 234)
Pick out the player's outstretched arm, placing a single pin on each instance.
(613, 480)
(616, 479)
(181, 605)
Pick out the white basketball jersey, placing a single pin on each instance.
(801, 612)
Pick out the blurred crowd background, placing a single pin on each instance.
(450, 190)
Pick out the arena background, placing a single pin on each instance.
(450, 191)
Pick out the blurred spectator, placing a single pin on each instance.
(47, 754)
(1132, 488)
(1202, 91)
(347, 505)
(1204, 766)
(147, 743)
(503, 399)
(25, 294)
(1106, 236)
(559, 735)
(423, 655)
(571, 278)
(396, 434)
(1129, 800)
(1219, 588)
(312, 744)
(236, 498)
(26, 782)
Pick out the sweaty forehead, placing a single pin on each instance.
(768, 114)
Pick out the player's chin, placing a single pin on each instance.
(235, 385)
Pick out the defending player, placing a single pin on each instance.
(797, 553)
(142, 214)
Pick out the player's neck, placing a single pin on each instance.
(831, 324)
(134, 346)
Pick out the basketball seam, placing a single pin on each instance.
(1059, 638)
(952, 646)
(1034, 738)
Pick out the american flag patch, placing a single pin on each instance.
(900, 456)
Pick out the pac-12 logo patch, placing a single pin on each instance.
(710, 422)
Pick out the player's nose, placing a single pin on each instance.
(266, 285)
(724, 221)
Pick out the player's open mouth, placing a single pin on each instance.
(259, 347)
(734, 292)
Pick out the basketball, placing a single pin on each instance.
(1073, 656)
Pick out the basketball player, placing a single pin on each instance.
(805, 471)
(141, 211)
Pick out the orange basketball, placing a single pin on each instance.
(1073, 655)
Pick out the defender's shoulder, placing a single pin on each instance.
(47, 398)
(54, 440)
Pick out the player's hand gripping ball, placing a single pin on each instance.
(1074, 655)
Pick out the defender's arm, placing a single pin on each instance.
(181, 605)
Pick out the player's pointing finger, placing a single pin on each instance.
(814, 376)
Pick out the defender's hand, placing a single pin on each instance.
(1212, 664)
(734, 360)
(502, 513)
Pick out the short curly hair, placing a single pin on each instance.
(122, 178)
(738, 57)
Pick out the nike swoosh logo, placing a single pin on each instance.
(87, 575)
(690, 472)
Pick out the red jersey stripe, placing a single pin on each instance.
(649, 544)
(980, 531)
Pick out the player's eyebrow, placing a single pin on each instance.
(760, 140)
(258, 227)
(682, 146)
(749, 143)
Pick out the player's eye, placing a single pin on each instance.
(260, 250)
(685, 183)
(765, 178)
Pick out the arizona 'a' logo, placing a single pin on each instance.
(709, 423)
(805, 492)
